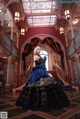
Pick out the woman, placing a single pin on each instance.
(41, 91)
(39, 69)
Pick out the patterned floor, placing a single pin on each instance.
(7, 103)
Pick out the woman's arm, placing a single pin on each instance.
(36, 58)
(41, 60)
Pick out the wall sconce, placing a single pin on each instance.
(23, 31)
(67, 14)
(75, 21)
(61, 30)
(4, 57)
(0, 10)
(17, 16)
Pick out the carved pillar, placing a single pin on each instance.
(66, 40)
(8, 73)
(3, 15)
(17, 40)
(71, 70)
(66, 65)
(15, 84)
(16, 67)
(78, 67)
(72, 31)
(12, 30)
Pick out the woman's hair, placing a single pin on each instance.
(36, 49)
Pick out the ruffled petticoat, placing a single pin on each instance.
(44, 94)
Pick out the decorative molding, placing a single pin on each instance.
(46, 35)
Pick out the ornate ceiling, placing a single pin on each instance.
(39, 13)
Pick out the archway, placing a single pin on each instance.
(46, 35)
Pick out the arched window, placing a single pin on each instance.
(44, 53)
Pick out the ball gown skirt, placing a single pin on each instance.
(42, 92)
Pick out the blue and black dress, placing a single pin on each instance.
(39, 71)
(41, 91)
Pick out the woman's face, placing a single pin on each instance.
(38, 50)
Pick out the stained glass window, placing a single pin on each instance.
(33, 8)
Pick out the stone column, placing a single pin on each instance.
(78, 66)
(17, 40)
(66, 40)
(71, 70)
(12, 30)
(72, 31)
(66, 65)
(15, 75)
(8, 73)
(3, 16)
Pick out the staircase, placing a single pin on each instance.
(57, 73)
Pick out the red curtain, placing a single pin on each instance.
(58, 46)
(26, 49)
(49, 41)
(34, 41)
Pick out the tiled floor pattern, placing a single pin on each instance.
(7, 103)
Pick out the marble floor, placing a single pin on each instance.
(7, 104)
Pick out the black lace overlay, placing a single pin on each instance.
(43, 95)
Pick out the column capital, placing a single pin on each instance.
(16, 63)
(77, 56)
(10, 58)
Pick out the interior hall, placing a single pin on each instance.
(54, 26)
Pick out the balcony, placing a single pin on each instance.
(14, 50)
(71, 49)
(77, 40)
(6, 42)
(8, 45)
